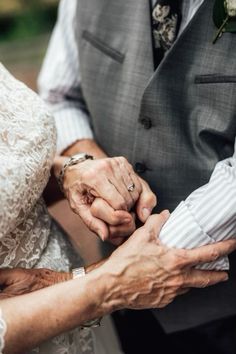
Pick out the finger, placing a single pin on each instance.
(209, 253)
(146, 202)
(117, 241)
(8, 276)
(106, 189)
(103, 211)
(183, 291)
(122, 180)
(94, 224)
(130, 178)
(124, 230)
(203, 278)
(4, 276)
(155, 223)
(135, 194)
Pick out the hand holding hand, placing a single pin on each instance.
(111, 181)
(147, 274)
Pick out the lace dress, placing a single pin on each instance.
(28, 236)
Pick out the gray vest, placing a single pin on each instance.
(173, 124)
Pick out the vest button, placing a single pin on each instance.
(140, 167)
(146, 122)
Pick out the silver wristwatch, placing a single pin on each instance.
(72, 160)
(78, 273)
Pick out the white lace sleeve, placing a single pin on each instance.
(27, 137)
(3, 329)
(27, 147)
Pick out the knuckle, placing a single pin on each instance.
(121, 204)
(87, 175)
(151, 234)
(104, 165)
(115, 161)
(174, 261)
(122, 159)
(179, 281)
(215, 254)
(181, 258)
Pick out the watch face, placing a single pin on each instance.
(81, 155)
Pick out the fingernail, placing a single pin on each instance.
(146, 212)
(226, 278)
(101, 236)
(127, 220)
(166, 212)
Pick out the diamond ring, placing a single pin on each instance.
(131, 187)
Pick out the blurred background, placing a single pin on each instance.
(25, 29)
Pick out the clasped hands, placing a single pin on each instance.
(144, 273)
(108, 195)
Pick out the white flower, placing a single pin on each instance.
(230, 6)
(160, 13)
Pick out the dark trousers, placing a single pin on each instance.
(140, 333)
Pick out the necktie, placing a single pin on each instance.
(166, 19)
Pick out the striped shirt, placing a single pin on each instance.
(208, 214)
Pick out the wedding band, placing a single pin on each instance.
(131, 187)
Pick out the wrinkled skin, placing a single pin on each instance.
(143, 273)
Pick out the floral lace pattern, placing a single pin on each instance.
(27, 141)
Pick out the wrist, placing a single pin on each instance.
(58, 163)
(93, 266)
(87, 145)
(69, 163)
(110, 289)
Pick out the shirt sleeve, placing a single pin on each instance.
(208, 215)
(60, 80)
(3, 329)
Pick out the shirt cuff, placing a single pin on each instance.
(182, 231)
(72, 124)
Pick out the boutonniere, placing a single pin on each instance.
(224, 17)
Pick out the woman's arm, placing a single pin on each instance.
(141, 273)
(36, 317)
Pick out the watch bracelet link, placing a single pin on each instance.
(71, 161)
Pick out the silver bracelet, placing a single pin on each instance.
(72, 160)
(78, 273)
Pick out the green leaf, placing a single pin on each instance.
(219, 13)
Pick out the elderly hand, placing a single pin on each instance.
(20, 281)
(110, 180)
(147, 274)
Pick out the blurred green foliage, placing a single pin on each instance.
(34, 18)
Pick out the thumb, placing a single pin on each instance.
(146, 202)
(6, 276)
(94, 224)
(155, 222)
